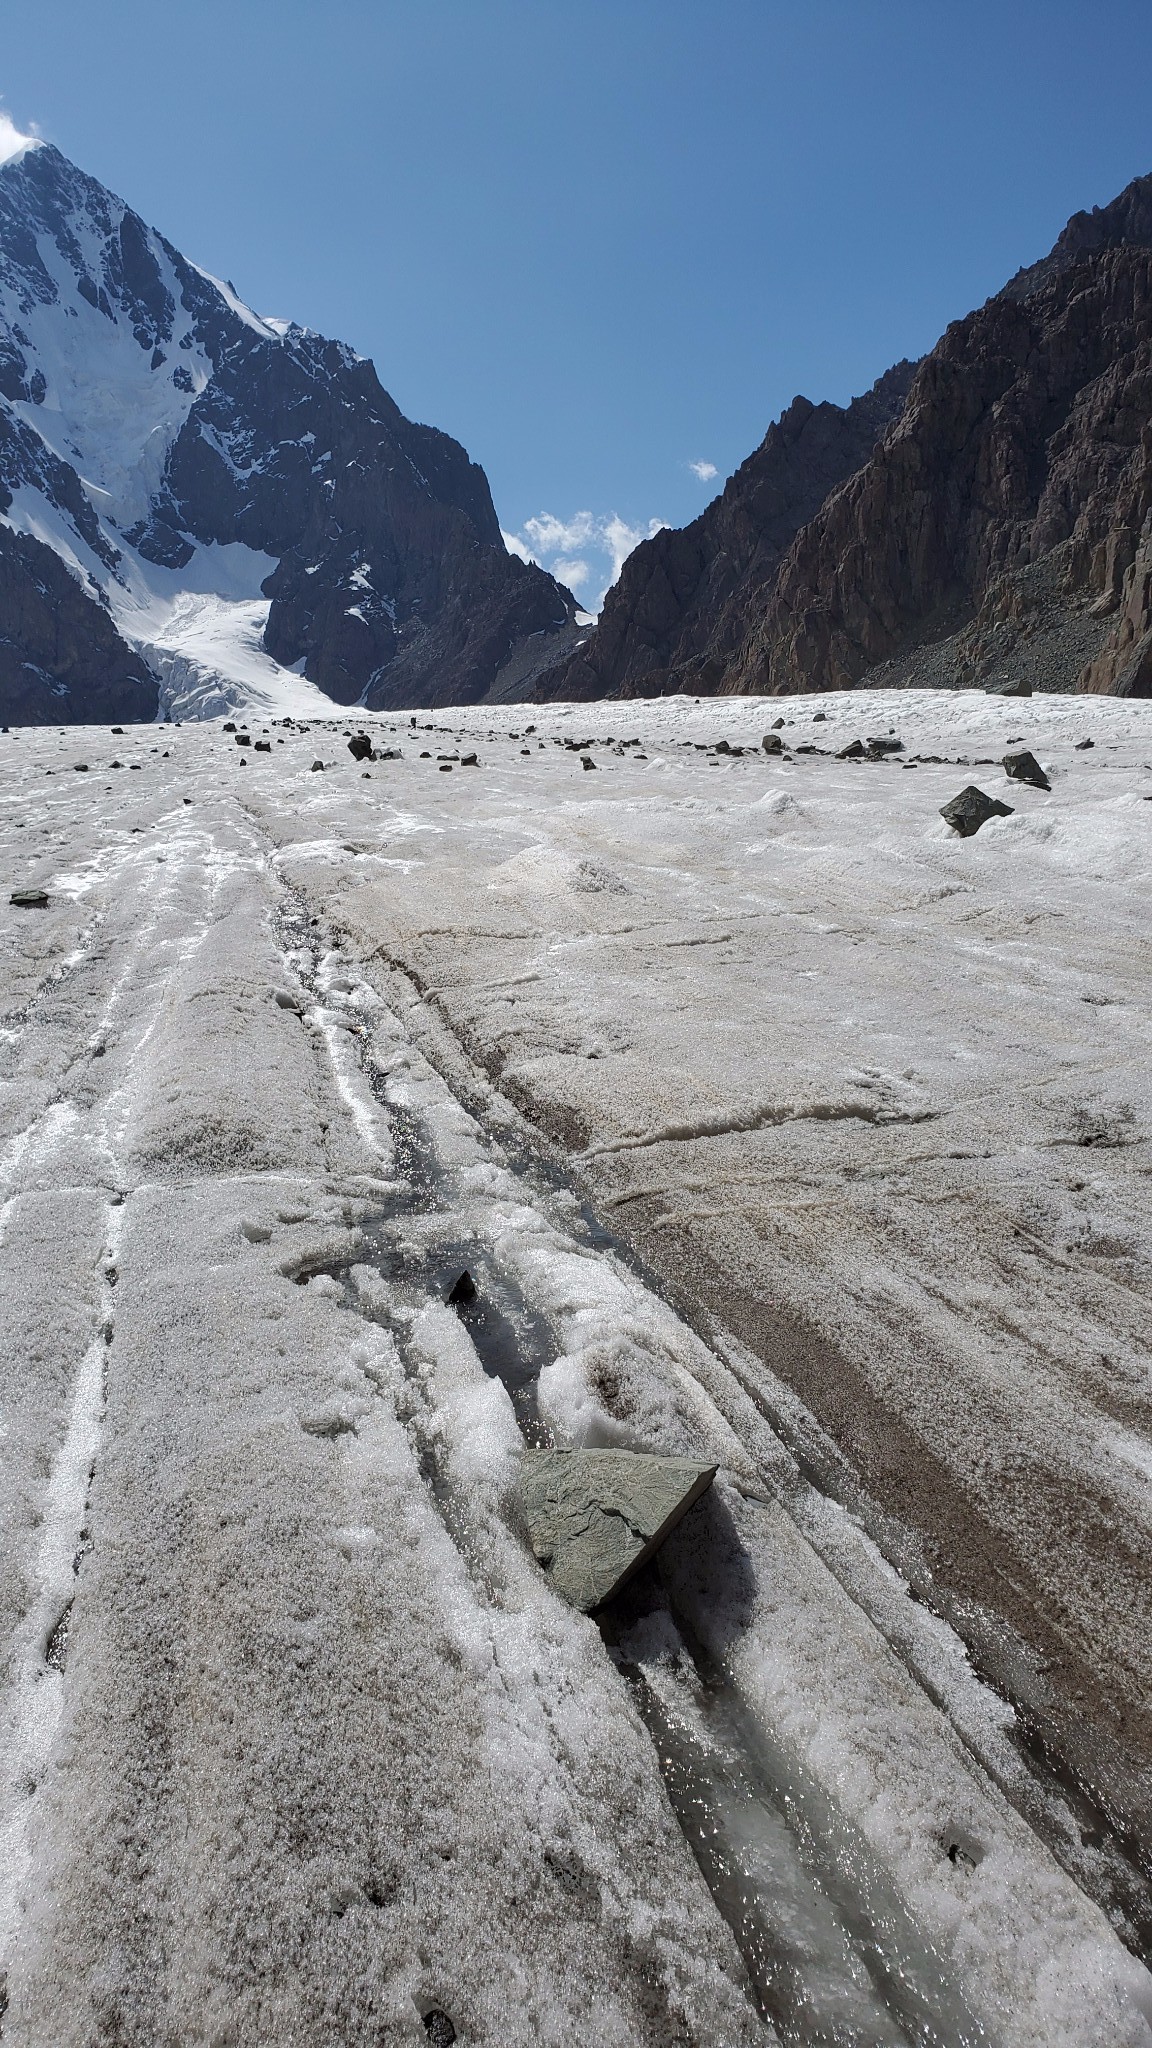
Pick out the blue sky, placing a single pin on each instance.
(602, 241)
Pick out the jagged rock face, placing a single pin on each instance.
(678, 615)
(1023, 439)
(59, 648)
(392, 584)
(999, 518)
(164, 441)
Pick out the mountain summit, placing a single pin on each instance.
(202, 508)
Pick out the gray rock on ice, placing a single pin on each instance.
(1024, 767)
(971, 809)
(594, 1517)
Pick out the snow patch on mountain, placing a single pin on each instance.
(209, 658)
(12, 142)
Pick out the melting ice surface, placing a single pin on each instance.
(831, 1955)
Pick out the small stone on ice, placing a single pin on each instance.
(439, 2029)
(586, 761)
(463, 1292)
(594, 1517)
(772, 743)
(971, 809)
(316, 765)
(1024, 767)
(29, 899)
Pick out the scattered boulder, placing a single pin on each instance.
(594, 1517)
(317, 766)
(586, 761)
(777, 724)
(29, 899)
(1016, 686)
(971, 809)
(469, 761)
(877, 748)
(229, 725)
(263, 746)
(243, 739)
(360, 747)
(1024, 767)
(854, 751)
(1082, 744)
(81, 767)
(772, 743)
(819, 717)
(463, 1291)
(439, 2029)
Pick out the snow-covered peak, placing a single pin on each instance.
(235, 304)
(12, 143)
(209, 477)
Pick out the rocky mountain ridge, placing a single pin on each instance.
(235, 503)
(998, 521)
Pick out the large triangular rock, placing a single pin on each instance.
(594, 1517)
(1024, 767)
(971, 809)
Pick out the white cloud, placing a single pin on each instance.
(704, 470)
(548, 535)
(11, 140)
(569, 548)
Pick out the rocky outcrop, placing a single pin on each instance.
(999, 521)
(61, 658)
(678, 616)
(392, 585)
(1023, 441)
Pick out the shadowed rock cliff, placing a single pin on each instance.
(999, 521)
